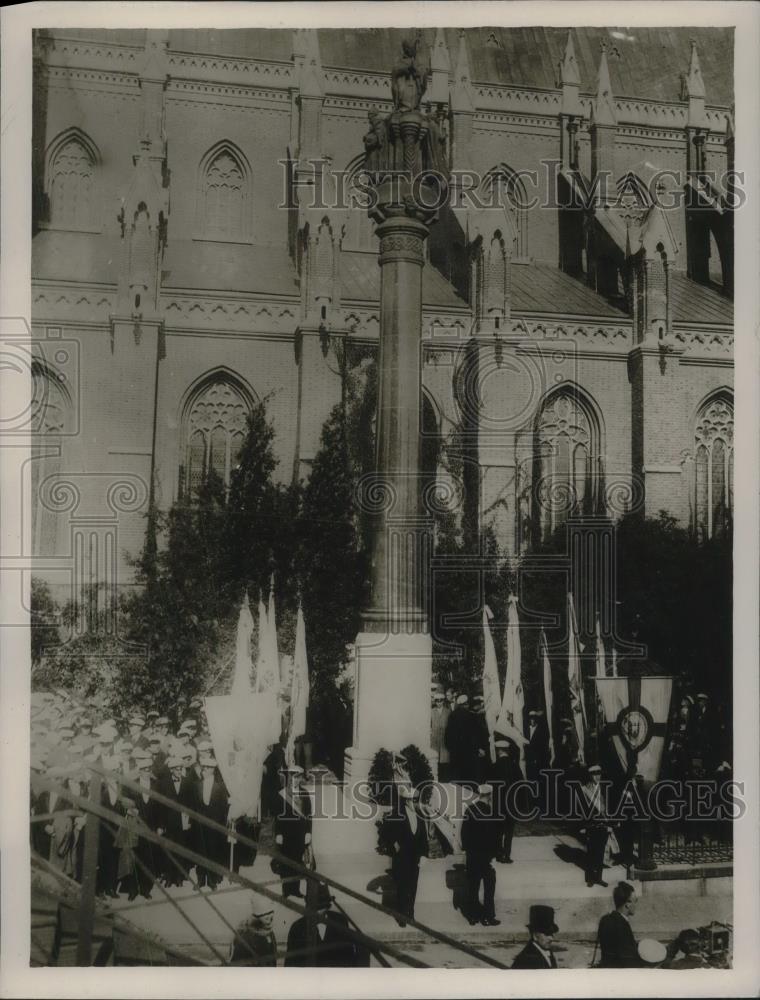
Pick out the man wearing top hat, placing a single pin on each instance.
(480, 839)
(254, 943)
(405, 833)
(327, 946)
(292, 830)
(538, 953)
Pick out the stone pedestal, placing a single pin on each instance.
(391, 698)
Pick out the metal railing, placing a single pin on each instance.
(112, 820)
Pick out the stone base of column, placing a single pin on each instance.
(391, 698)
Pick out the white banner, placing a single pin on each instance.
(240, 730)
(636, 716)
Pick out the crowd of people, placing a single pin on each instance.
(159, 778)
(137, 759)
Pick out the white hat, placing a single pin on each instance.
(485, 789)
(462, 699)
(652, 952)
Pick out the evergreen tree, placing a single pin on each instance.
(333, 581)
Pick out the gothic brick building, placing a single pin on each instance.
(180, 271)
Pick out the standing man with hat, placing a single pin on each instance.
(460, 742)
(213, 802)
(596, 827)
(254, 944)
(538, 953)
(505, 772)
(405, 831)
(439, 717)
(480, 839)
(327, 946)
(292, 830)
(137, 735)
(537, 752)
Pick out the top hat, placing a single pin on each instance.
(323, 897)
(541, 919)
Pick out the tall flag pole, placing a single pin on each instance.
(241, 681)
(261, 651)
(299, 688)
(511, 719)
(491, 685)
(575, 679)
(272, 630)
(548, 698)
(601, 670)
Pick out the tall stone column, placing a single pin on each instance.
(394, 652)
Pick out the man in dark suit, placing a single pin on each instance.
(148, 813)
(597, 828)
(292, 830)
(616, 941)
(254, 943)
(213, 802)
(505, 772)
(406, 833)
(538, 953)
(460, 739)
(480, 838)
(327, 945)
(537, 752)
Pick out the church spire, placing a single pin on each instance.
(570, 80)
(694, 90)
(440, 67)
(462, 94)
(603, 106)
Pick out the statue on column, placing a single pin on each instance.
(408, 82)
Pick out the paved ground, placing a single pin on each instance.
(545, 870)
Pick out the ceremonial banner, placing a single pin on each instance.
(241, 682)
(299, 688)
(548, 698)
(601, 670)
(239, 728)
(512, 709)
(491, 685)
(636, 715)
(575, 680)
(267, 667)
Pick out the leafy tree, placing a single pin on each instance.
(181, 615)
(333, 571)
(44, 615)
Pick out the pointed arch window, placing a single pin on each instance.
(49, 423)
(72, 165)
(714, 467)
(566, 461)
(503, 188)
(224, 195)
(214, 431)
